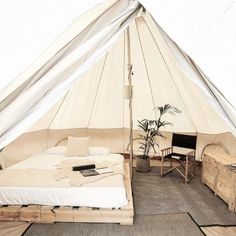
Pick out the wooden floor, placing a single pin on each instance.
(13, 228)
(219, 231)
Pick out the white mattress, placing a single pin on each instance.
(105, 197)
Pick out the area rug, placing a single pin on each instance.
(151, 225)
(169, 195)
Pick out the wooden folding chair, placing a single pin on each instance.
(182, 162)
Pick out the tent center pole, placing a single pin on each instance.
(130, 101)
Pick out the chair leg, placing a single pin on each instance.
(194, 167)
(162, 163)
(186, 171)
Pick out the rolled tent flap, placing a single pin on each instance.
(46, 81)
(79, 81)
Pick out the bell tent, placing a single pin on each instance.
(106, 71)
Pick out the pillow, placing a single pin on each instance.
(98, 151)
(56, 150)
(77, 146)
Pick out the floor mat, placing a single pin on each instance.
(164, 195)
(151, 225)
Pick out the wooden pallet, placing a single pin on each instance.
(51, 214)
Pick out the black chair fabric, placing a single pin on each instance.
(184, 141)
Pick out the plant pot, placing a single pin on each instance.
(142, 165)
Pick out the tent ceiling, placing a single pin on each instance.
(158, 79)
(206, 31)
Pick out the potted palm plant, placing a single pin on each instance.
(151, 133)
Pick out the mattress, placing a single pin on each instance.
(105, 193)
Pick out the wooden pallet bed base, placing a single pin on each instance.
(51, 214)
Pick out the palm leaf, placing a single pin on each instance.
(151, 128)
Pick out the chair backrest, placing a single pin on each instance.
(184, 141)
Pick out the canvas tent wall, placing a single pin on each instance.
(206, 31)
(81, 80)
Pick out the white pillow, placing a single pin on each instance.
(56, 150)
(98, 151)
(77, 146)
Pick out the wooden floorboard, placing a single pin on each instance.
(219, 231)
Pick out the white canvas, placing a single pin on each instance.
(79, 81)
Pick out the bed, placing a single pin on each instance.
(43, 188)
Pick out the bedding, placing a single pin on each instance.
(98, 151)
(48, 179)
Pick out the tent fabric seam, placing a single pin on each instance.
(171, 76)
(147, 72)
(98, 86)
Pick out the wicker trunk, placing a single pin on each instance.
(217, 175)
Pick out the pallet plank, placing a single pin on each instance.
(11, 213)
(47, 214)
(30, 213)
(64, 214)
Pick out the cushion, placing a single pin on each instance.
(77, 146)
(98, 151)
(56, 150)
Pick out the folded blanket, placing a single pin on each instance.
(62, 176)
(77, 179)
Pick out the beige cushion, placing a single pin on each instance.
(77, 146)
